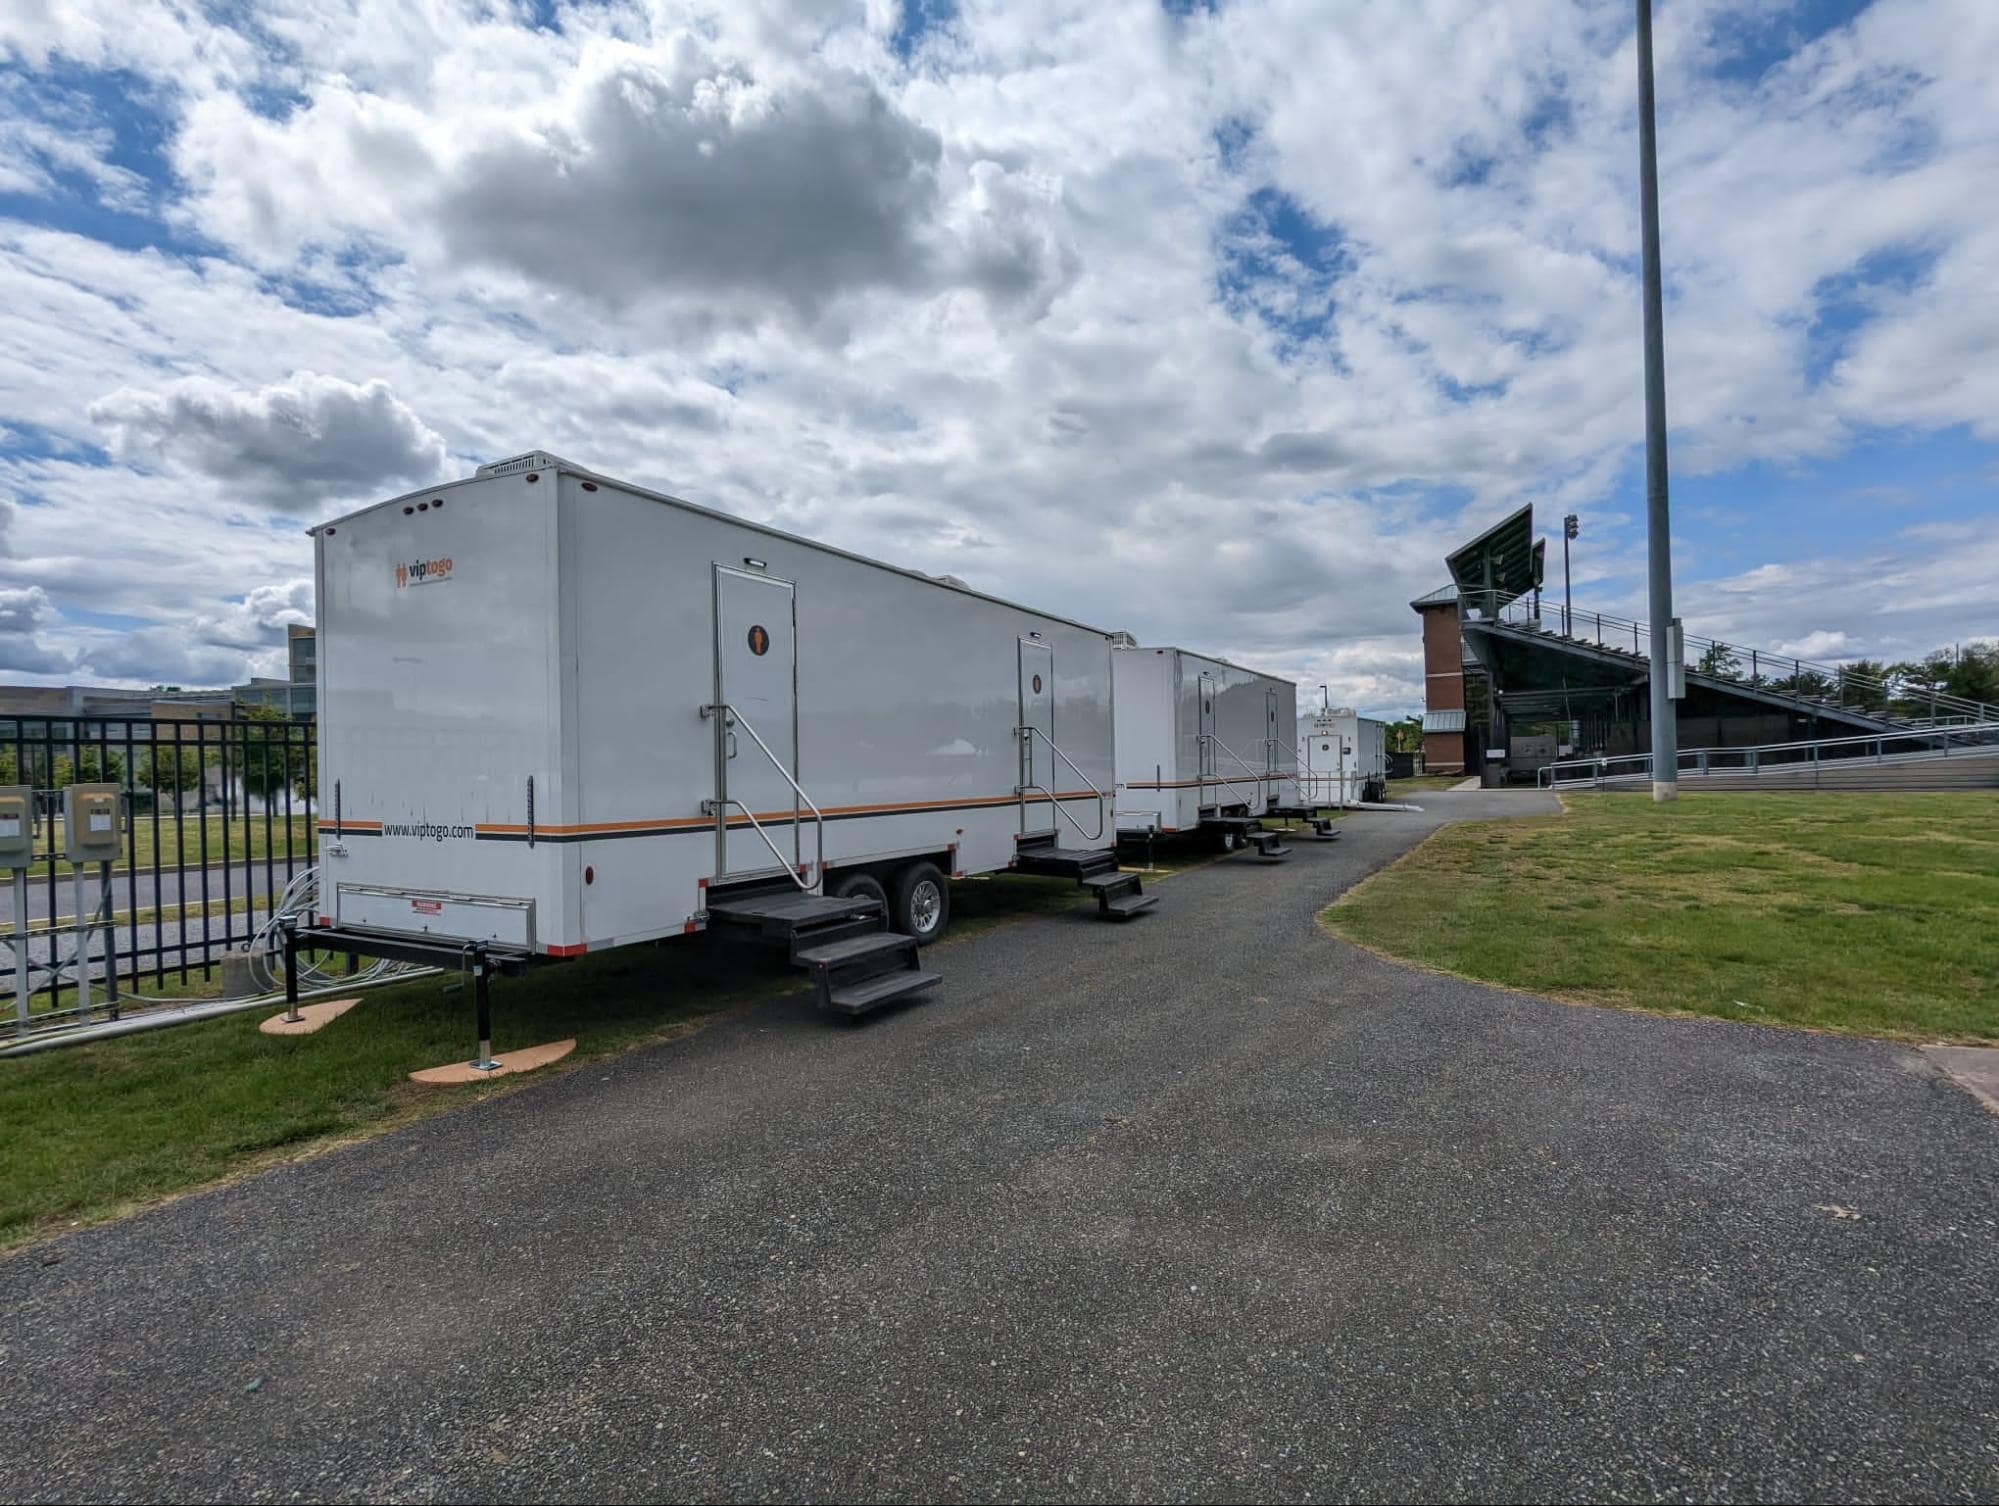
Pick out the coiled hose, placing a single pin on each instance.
(267, 946)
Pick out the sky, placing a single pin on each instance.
(1217, 323)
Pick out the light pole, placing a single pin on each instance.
(1570, 528)
(1659, 541)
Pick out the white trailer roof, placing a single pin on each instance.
(1169, 648)
(542, 460)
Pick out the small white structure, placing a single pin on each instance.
(560, 713)
(1201, 743)
(1344, 757)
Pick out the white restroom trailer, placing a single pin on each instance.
(1202, 744)
(1344, 757)
(560, 713)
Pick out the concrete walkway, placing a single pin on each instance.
(1207, 1205)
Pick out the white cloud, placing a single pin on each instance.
(1048, 281)
(25, 611)
(292, 446)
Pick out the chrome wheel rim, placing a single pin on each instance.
(926, 904)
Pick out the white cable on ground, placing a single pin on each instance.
(267, 945)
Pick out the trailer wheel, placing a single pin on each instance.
(922, 902)
(861, 886)
(1227, 839)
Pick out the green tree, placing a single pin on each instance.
(1721, 661)
(1863, 685)
(89, 766)
(166, 772)
(1974, 672)
(1405, 736)
(269, 752)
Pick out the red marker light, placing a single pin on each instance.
(589, 875)
(589, 486)
(408, 510)
(534, 476)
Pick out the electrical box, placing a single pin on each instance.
(91, 830)
(17, 826)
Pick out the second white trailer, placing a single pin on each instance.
(1202, 744)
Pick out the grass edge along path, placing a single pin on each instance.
(1870, 914)
(96, 1132)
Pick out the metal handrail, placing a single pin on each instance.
(1031, 733)
(732, 716)
(790, 872)
(1807, 680)
(1258, 775)
(1702, 761)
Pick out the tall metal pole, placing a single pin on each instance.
(1570, 526)
(1665, 724)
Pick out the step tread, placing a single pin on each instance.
(871, 993)
(1062, 854)
(1121, 905)
(1069, 862)
(853, 949)
(774, 907)
(1114, 878)
(1274, 850)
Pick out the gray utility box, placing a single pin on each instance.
(17, 826)
(91, 830)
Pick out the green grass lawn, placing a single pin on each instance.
(1874, 913)
(178, 840)
(92, 1131)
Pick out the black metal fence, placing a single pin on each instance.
(217, 820)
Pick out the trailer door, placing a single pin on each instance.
(1206, 743)
(756, 677)
(1037, 755)
(1270, 763)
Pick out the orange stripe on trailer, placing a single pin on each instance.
(683, 823)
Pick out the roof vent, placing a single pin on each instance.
(533, 460)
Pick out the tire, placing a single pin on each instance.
(860, 886)
(1227, 839)
(922, 906)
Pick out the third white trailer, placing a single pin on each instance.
(1200, 740)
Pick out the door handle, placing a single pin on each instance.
(732, 743)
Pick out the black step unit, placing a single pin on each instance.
(856, 962)
(1268, 844)
(1119, 895)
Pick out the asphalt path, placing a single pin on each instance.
(1205, 1205)
(138, 891)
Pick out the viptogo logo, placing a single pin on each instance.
(422, 572)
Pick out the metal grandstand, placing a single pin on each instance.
(1574, 684)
